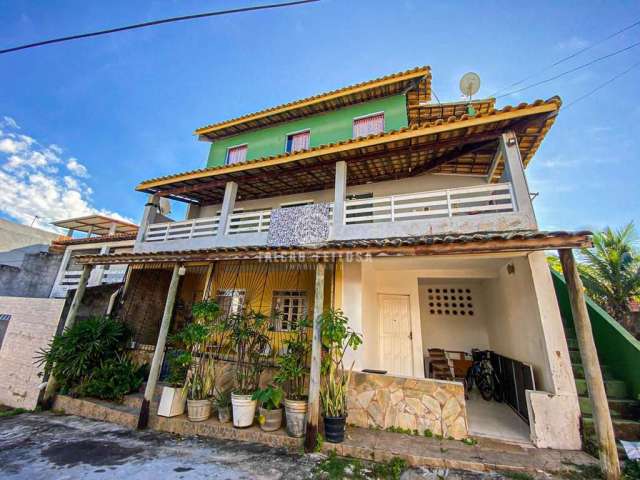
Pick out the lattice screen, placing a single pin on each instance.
(450, 300)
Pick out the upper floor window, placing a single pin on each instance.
(369, 125)
(298, 141)
(236, 154)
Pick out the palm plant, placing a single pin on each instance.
(611, 271)
(293, 370)
(196, 339)
(337, 337)
(248, 334)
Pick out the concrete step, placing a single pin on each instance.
(618, 407)
(614, 388)
(578, 371)
(623, 429)
(97, 410)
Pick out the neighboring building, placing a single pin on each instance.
(27, 263)
(421, 212)
(104, 235)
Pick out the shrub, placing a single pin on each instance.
(72, 356)
(113, 379)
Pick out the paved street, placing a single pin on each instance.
(48, 446)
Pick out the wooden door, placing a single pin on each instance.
(395, 334)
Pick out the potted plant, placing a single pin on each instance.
(337, 336)
(270, 413)
(292, 375)
(248, 336)
(173, 398)
(197, 338)
(222, 402)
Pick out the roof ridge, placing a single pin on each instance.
(202, 130)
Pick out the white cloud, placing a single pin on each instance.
(572, 43)
(77, 168)
(32, 185)
(9, 122)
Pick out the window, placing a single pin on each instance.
(236, 154)
(288, 308)
(369, 125)
(4, 324)
(297, 141)
(231, 302)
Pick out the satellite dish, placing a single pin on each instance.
(470, 84)
(165, 206)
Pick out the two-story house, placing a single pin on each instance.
(412, 216)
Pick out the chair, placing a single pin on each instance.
(439, 367)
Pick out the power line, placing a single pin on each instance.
(155, 22)
(567, 72)
(602, 85)
(568, 57)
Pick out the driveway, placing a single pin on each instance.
(49, 446)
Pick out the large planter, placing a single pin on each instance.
(334, 428)
(172, 402)
(296, 413)
(270, 420)
(244, 410)
(198, 410)
(224, 414)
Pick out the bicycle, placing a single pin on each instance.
(484, 376)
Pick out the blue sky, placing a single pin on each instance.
(83, 122)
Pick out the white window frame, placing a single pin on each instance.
(233, 293)
(287, 135)
(226, 155)
(361, 117)
(278, 317)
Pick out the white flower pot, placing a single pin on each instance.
(244, 410)
(172, 402)
(198, 410)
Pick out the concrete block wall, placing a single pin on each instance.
(33, 323)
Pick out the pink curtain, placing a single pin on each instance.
(300, 141)
(368, 125)
(237, 154)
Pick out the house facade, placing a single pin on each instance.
(414, 217)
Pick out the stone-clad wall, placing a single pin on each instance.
(383, 401)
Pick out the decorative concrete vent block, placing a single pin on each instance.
(299, 225)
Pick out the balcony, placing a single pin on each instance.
(485, 207)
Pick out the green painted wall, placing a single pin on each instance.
(325, 128)
(616, 347)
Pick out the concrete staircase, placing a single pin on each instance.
(625, 411)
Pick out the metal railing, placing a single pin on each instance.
(187, 229)
(452, 202)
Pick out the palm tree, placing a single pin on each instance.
(611, 272)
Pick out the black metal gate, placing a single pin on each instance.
(515, 377)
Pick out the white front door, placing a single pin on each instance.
(395, 334)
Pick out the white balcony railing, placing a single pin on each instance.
(453, 202)
(187, 229)
(249, 222)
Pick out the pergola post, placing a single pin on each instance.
(68, 323)
(340, 193)
(158, 353)
(313, 410)
(601, 417)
